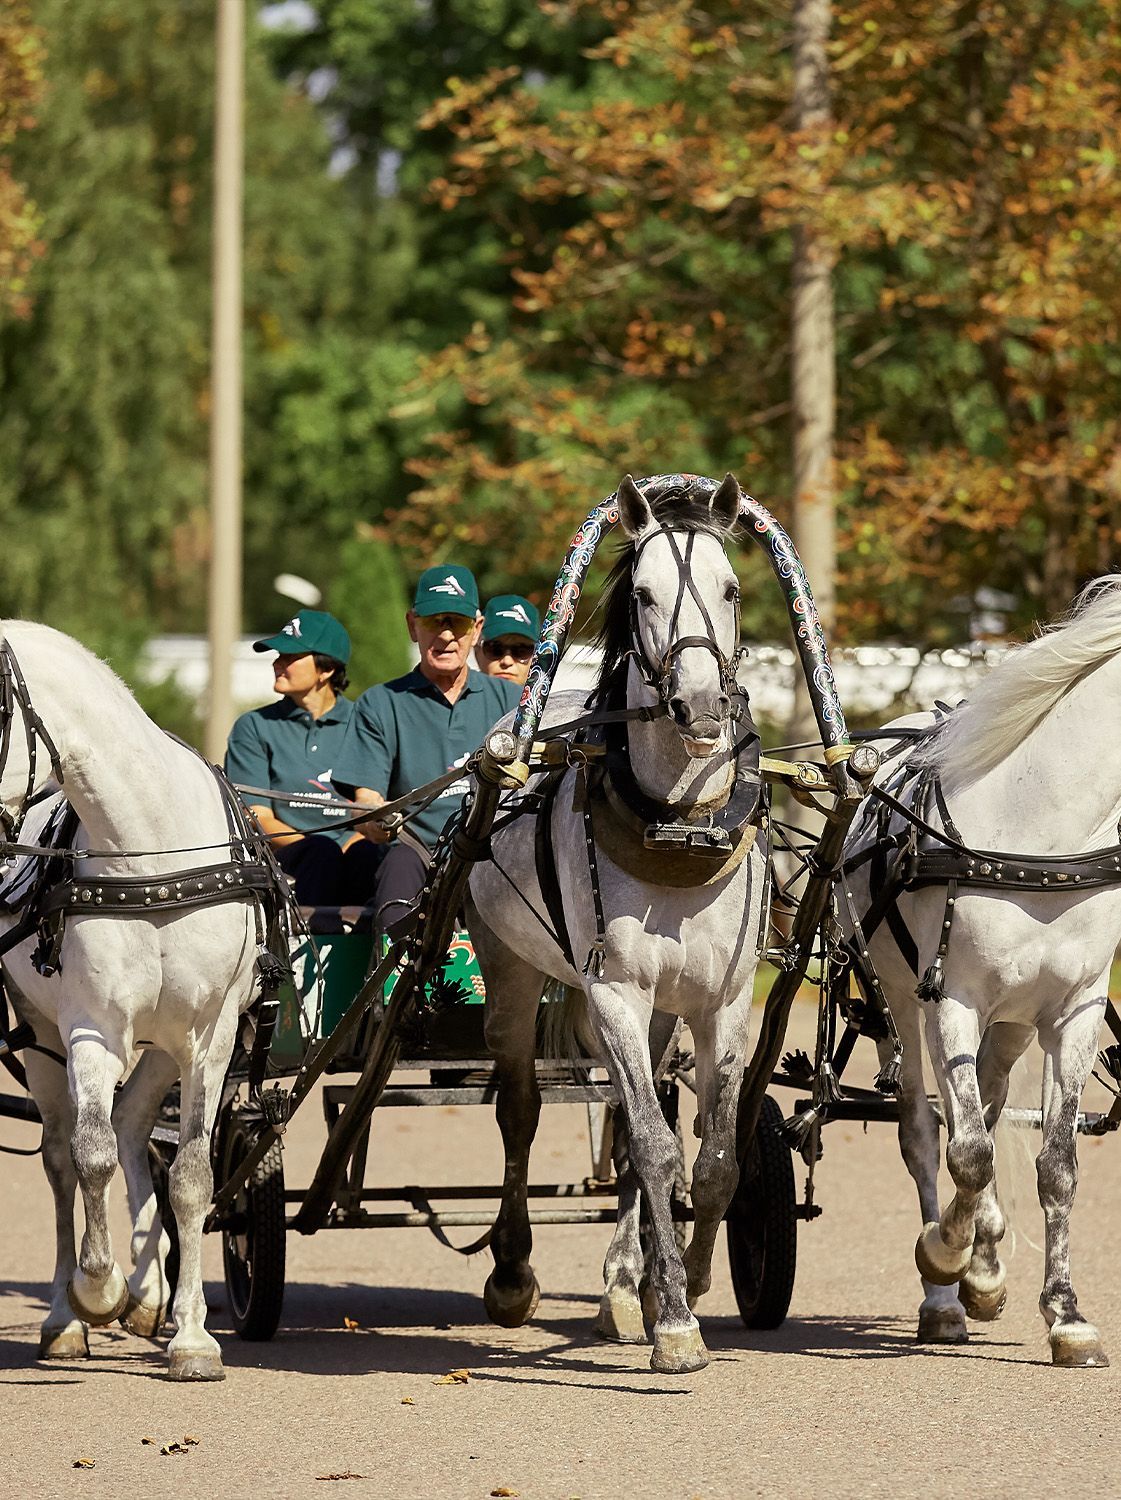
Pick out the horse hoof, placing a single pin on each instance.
(942, 1325)
(194, 1364)
(510, 1309)
(64, 1343)
(102, 1307)
(679, 1352)
(936, 1261)
(983, 1300)
(620, 1318)
(142, 1319)
(1077, 1346)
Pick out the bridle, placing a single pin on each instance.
(662, 674)
(14, 693)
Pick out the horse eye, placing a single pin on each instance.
(643, 596)
(732, 591)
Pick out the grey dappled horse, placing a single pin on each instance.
(137, 1000)
(1030, 765)
(670, 951)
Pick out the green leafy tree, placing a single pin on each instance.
(367, 592)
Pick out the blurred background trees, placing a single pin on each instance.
(500, 252)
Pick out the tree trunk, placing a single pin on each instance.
(812, 352)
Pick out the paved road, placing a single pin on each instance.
(840, 1401)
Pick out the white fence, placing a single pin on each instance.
(870, 679)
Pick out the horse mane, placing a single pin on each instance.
(1026, 686)
(677, 510)
(59, 643)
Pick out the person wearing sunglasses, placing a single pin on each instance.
(405, 733)
(511, 626)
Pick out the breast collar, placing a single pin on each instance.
(708, 828)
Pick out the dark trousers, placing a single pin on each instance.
(325, 875)
(400, 879)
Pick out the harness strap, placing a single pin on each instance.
(545, 859)
(596, 960)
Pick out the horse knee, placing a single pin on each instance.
(93, 1149)
(190, 1180)
(1056, 1172)
(969, 1159)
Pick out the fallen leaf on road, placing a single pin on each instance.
(350, 1323)
(191, 1442)
(147, 1442)
(453, 1377)
(502, 1490)
(174, 1448)
(407, 1401)
(346, 1475)
(84, 1463)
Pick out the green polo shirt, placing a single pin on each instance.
(405, 733)
(281, 747)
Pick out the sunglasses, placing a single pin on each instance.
(496, 650)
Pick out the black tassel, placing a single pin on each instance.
(931, 987)
(797, 1065)
(890, 1076)
(797, 1132)
(829, 1085)
(596, 961)
(1110, 1059)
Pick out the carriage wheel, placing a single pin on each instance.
(159, 1164)
(253, 1237)
(762, 1226)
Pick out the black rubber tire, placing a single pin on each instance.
(159, 1163)
(253, 1245)
(762, 1224)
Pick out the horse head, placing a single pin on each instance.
(684, 609)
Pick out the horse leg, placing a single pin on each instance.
(620, 1311)
(945, 1247)
(98, 1293)
(1069, 1048)
(623, 1031)
(62, 1335)
(193, 1353)
(134, 1114)
(720, 1043)
(982, 1288)
(514, 989)
(941, 1316)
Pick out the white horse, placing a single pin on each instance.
(1030, 765)
(141, 998)
(684, 950)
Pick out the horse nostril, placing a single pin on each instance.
(679, 710)
(723, 706)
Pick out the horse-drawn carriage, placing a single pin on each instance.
(626, 849)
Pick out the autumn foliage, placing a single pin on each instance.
(20, 78)
(969, 189)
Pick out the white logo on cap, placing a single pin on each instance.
(516, 613)
(450, 585)
(292, 628)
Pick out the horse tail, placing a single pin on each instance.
(1017, 1189)
(566, 1031)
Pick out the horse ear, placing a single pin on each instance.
(725, 504)
(635, 514)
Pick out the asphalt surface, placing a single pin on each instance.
(348, 1396)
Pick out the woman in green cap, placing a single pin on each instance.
(290, 746)
(511, 626)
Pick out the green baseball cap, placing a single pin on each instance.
(310, 630)
(510, 614)
(447, 590)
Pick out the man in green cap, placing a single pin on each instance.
(511, 626)
(405, 733)
(290, 746)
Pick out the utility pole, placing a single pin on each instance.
(813, 393)
(224, 614)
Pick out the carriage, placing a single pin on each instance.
(406, 1018)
